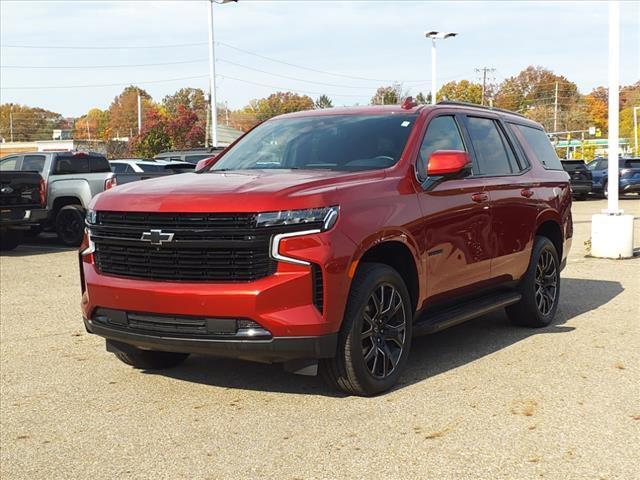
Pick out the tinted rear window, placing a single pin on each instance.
(573, 166)
(147, 167)
(71, 164)
(33, 163)
(541, 146)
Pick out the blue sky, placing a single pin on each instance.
(365, 43)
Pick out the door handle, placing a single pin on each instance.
(526, 192)
(479, 197)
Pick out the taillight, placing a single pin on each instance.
(110, 183)
(43, 193)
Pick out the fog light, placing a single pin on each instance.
(251, 329)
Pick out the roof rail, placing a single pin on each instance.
(484, 107)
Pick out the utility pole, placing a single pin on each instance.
(635, 128)
(555, 110)
(139, 114)
(484, 71)
(86, 124)
(207, 130)
(11, 125)
(226, 112)
(212, 83)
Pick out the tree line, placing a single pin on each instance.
(180, 120)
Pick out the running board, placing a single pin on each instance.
(432, 323)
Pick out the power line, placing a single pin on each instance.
(119, 47)
(105, 66)
(103, 84)
(353, 77)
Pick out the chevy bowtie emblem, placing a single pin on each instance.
(156, 237)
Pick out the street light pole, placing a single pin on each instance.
(635, 128)
(212, 75)
(433, 36)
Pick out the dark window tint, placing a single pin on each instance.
(541, 146)
(489, 147)
(570, 166)
(192, 158)
(69, 165)
(9, 163)
(119, 167)
(72, 164)
(442, 134)
(99, 164)
(147, 167)
(631, 163)
(593, 165)
(33, 163)
(329, 142)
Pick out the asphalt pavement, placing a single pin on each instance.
(483, 400)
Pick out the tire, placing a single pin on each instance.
(70, 225)
(540, 288)
(10, 239)
(605, 189)
(151, 360)
(350, 371)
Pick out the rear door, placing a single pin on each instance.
(456, 219)
(512, 193)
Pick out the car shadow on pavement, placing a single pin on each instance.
(430, 355)
(38, 245)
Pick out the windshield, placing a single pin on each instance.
(332, 142)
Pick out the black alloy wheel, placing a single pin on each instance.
(546, 282)
(384, 329)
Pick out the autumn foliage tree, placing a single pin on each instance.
(462, 91)
(28, 123)
(386, 96)
(184, 128)
(123, 111)
(94, 125)
(154, 137)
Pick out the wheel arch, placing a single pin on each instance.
(551, 229)
(397, 255)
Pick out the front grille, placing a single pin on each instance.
(205, 247)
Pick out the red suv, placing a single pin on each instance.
(327, 239)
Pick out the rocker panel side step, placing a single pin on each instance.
(448, 317)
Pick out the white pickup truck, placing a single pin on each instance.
(72, 179)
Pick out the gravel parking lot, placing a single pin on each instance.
(481, 400)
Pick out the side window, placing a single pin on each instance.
(70, 165)
(129, 169)
(99, 165)
(10, 163)
(489, 147)
(442, 134)
(541, 146)
(118, 167)
(33, 163)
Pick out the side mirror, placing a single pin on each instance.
(444, 165)
(205, 163)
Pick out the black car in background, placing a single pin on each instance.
(580, 178)
(190, 156)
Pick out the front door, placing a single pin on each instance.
(456, 220)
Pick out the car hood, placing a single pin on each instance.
(234, 191)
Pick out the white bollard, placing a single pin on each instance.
(612, 236)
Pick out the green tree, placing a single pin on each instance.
(462, 91)
(386, 96)
(191, 98)
(421, 99)
(280, 103)
(323, 102)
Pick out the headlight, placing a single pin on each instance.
(91, 217)
(325, 216)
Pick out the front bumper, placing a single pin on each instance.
(580, 189)
(629, 187)
(272, 350)
(17, 217)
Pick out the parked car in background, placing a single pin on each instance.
(579, 176)
(136, 165)
(191, 156)
(71, 180)
(22, 201)
(327, 239)
(629, 181)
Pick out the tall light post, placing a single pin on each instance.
(212, 75)
(635, 128)
(434, 36)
